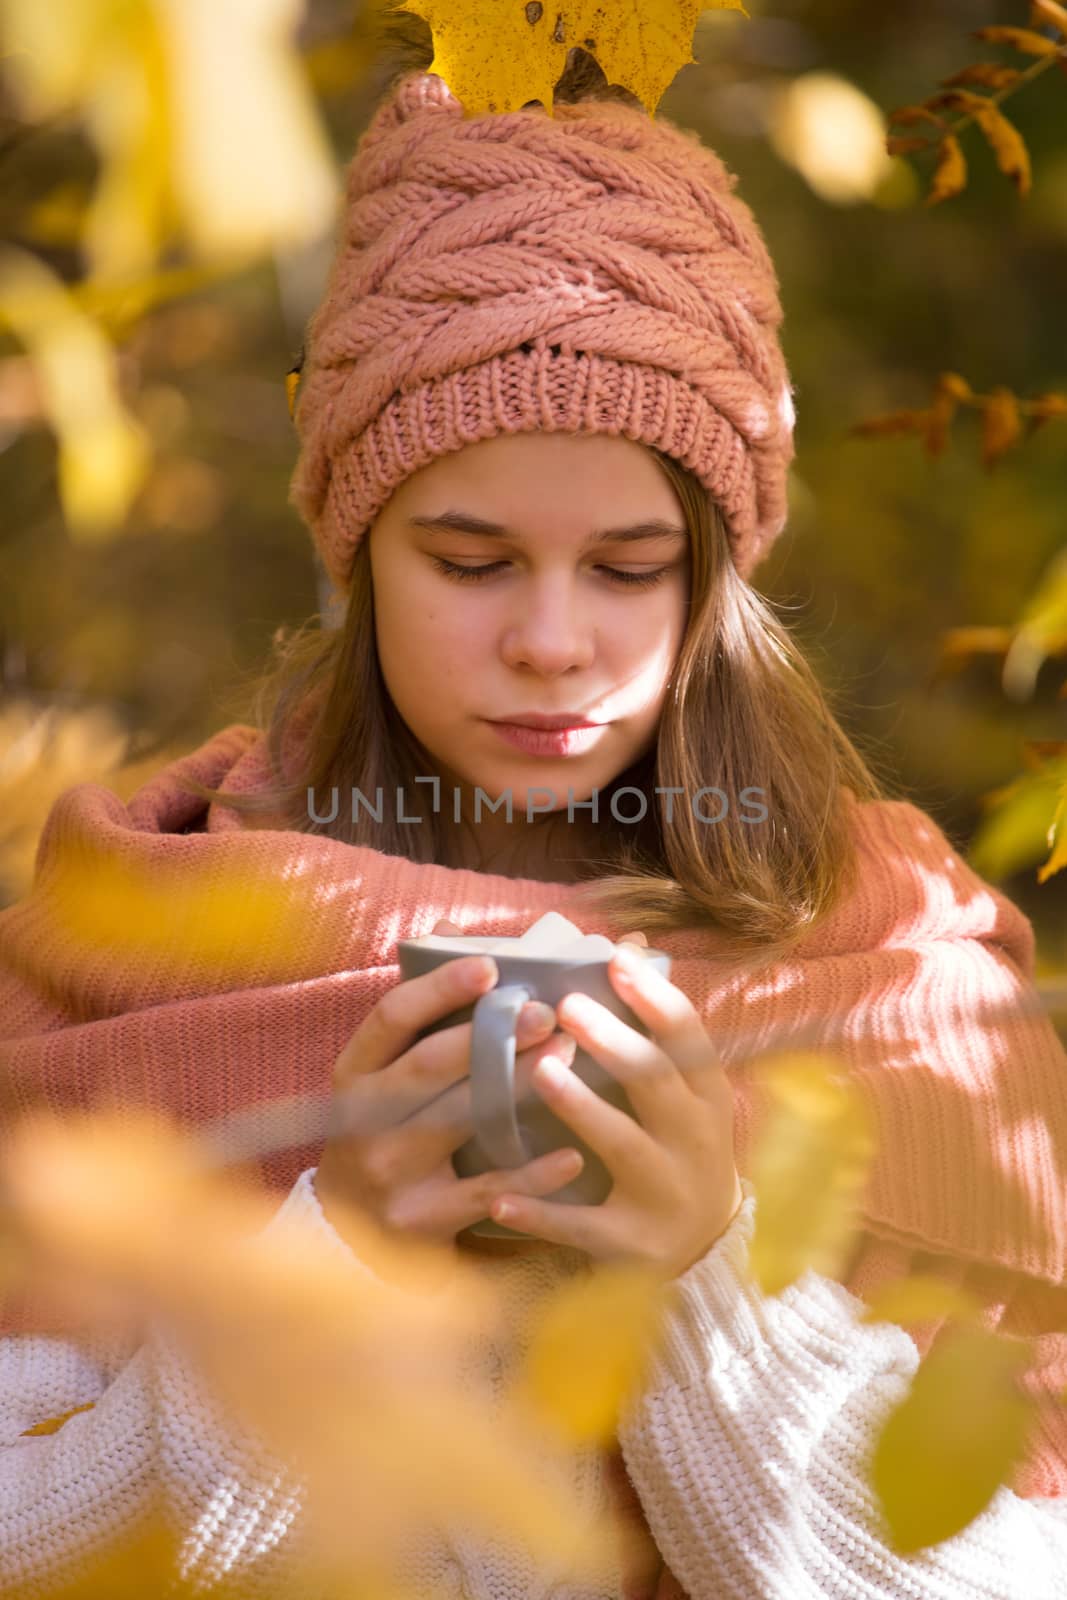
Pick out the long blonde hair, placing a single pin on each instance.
(744, 711)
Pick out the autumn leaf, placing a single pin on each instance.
(906, 146)
(907, 116)
(1042, 626)
(950, 174)
(809, 1166)
(953, 1440)
(343, 1376)
(590, 1346)
(959, 100)
(1013, 832)
(892, 422)
(1049, 11)
(952, 383)
(948, 392)
(959, 646)
(1022, 39)
(922, 1298)
(103, 451)
(53, 1424)
(1057, 839)
(1041, 408)
(1001, 425)
(523, 55)
(986, 73)
(1009, 147)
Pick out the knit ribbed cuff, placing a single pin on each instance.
(714, 1311)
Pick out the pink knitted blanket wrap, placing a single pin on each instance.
(920, 983)
(592, 271)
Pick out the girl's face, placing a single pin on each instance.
(553, 624)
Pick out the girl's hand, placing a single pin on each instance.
(403, 1105)
(676, 1188)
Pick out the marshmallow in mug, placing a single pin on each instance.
(551, 935)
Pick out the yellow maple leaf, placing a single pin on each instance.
(496, 58)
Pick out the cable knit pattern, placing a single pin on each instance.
(592, 271)
(745, 1446)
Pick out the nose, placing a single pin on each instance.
(552, 629)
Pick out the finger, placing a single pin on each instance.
(576, 1227)
(473, 1198)
(634, 938)
(673, 1021)
(617, 1139)
(647, 1073)
(428, 1088)
(394, 1022)
(444, 928)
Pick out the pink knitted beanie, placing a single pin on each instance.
(588, 272)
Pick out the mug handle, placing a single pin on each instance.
(492, 1075)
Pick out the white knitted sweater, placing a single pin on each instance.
(746, 1449)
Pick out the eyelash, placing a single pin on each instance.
(643, 580)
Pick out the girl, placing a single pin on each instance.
(545, 429)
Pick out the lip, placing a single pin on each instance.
(570, 741)
(550, 723)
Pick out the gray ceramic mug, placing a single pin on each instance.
(508, 1131)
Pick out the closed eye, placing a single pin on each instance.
(615, 574)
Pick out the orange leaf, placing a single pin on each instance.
(959, 100)
(907, 116)
(1001, 425)
(938, 421)
(959, 646)
(893, 422)
(1008, 144)
(987, 73)
(1030, 44)
(952, 383)
(950, 175)
(905, 146)
(54, 1424)
(1044, 406)
(1050, 12)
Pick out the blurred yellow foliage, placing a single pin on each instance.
(590, 1348)
(226, 920)
(42, 753)
(235, 161)
(348, 1374)
(954, 1438)
(809, 1166)
(103, 453)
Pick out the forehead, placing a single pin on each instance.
(580, 481)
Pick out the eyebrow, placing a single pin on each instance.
(465, 522)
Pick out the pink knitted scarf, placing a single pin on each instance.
(919, 983)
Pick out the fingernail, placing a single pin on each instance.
(537, 1015)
